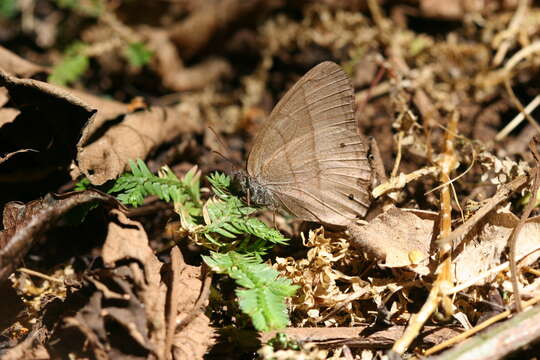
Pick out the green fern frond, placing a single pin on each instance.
(135, 186)
(226, 223)
(220, 184)
(263, 293)
(229, 216)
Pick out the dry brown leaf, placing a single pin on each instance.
(8, 115)
(193, 340)
(485, 245)
(212, 18)
(56, 119)
(398, 238)
(24, 224)
(138, 134)
(103, 150)
(18, 66)
(128, 240)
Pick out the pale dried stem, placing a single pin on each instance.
(398, 155)
(509, 34)
(373, 92)
(399, 182)
(519, 105)
(444, 277)
(124, 31)
(508, 67)
(378, 17)
(454, 238)
(518, 119)
(535, 175)
(39, 275)
(477, 328)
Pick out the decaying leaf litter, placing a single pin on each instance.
(447, 90)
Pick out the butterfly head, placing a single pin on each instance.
(245, 185)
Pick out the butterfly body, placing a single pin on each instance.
(250, 187)
(309, 158)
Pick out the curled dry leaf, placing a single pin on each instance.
(127, 240)
(111, 133)
(397, 238)
(7, 114)
(56, 119)
(18, 66)
(320, 293)
(485, 244)
(134, 137)
(24, 224)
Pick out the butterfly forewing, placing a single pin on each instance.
(309, 154)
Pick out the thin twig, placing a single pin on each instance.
(455, 237)
(477, 328)
(39, 275)
(508, 67)
(398, 182)
(518, 119)
(508, 35)
(437, 293)
(535, 175)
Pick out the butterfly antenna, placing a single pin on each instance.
(222, 143)
(223, 156)
(376, 79)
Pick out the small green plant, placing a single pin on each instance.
(8, 8)
(137, 54)
(223, 224)
(92, 8)
(76, 58)
(82, 184)
(72, 66)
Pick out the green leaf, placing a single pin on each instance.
(227, 225)
(82, 184)
(262, 293)
(137, 54)
(8, 8)
(71, 67)
(92, 8)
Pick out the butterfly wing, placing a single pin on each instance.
(309, 153)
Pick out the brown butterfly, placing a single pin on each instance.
(308, 158)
